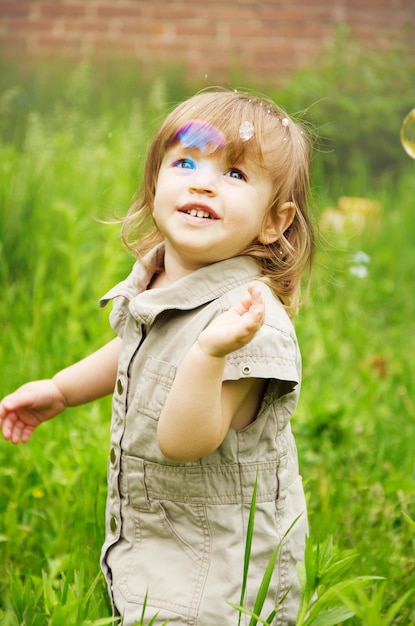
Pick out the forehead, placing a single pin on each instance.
(207, 139)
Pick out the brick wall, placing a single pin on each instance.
(261, 40)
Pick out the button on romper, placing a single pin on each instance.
(176, 532)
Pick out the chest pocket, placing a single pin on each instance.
(153, 386)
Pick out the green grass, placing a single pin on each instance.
(63, 170)
(356, 421)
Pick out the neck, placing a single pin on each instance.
(174, 268)
(159, 281)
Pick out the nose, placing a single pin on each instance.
(206, 190)
(204, 181)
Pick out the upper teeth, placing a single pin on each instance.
(198, 213)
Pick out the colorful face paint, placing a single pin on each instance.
(199, 135)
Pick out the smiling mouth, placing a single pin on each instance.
(199, 210)
(199, 213)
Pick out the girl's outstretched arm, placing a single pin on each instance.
(200, 408)
(25, 409)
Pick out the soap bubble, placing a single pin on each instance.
(199, 135)
(408, 134)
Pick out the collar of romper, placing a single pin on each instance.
(193, 290)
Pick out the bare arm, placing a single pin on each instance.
(33, 403)
(92, 378)
(201, 408)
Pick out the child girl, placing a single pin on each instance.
(205, 368)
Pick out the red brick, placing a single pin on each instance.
(13, 9)
(91, 26)
(26, 27)
(59, 9)
(120, 11)
(214, 37)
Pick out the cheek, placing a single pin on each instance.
(165, 187)
(159, 198)
(155, 211)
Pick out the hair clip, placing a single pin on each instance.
(285, 121)
(246, 131)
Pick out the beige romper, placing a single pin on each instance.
(177, 532)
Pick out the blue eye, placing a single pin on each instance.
(186, 164)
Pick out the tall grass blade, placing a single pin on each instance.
(331, 617)
(267, 577)
(410, 521)
(248, 545)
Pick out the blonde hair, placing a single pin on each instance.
(279, 144)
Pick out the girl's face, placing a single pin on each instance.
(207, 209)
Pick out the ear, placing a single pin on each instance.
(273, 230)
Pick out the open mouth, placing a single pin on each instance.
(199, 213)
(202, 211)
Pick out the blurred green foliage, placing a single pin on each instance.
(72, 146)
(356, 99)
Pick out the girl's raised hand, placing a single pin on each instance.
(234, 328)
(27, 407)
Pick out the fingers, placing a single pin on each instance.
(21, 432)
(251, 309)
(3, 409)
(252, 300)
(257, 308)
(4, 413)
(14, 428)
(9, 427)
(236, 327)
